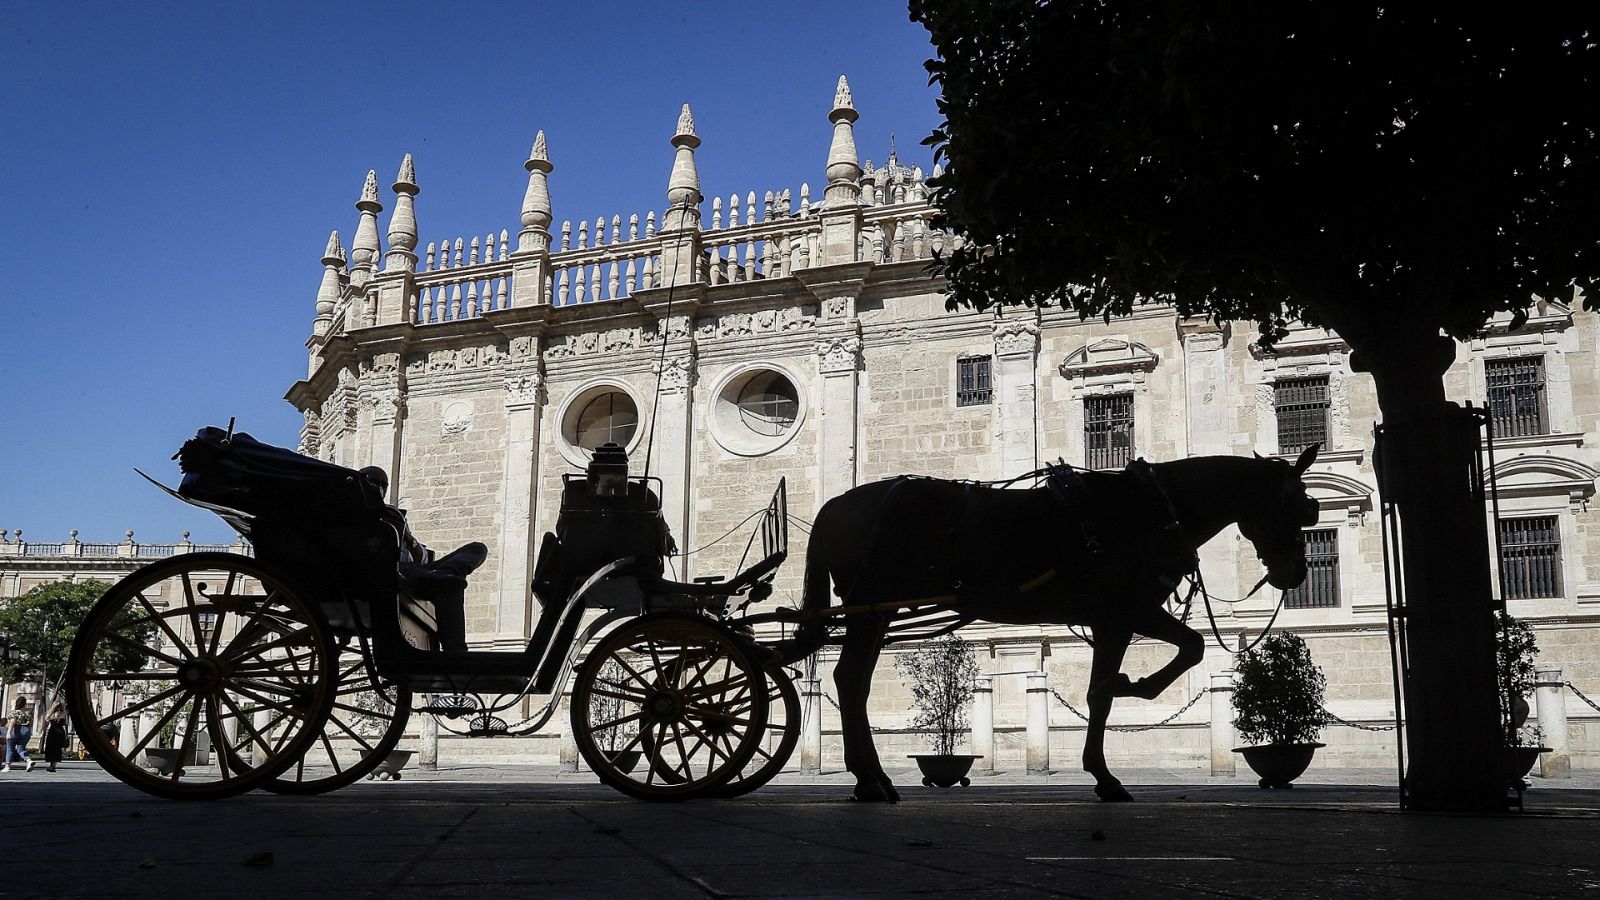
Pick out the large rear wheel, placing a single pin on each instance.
(680, 690)
(782, 736)
(200, 676)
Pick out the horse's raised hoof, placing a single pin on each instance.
(1113, 793)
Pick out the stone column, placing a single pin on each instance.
(1016, 350)
(428, 753)
(983, 724)
(1549, 694)
(381, 389)
(519, 488)
(1222, 755)
(567, 760)
(1209, 403)
(839, 361)
(811, 737)
(674, 427)
(1038, 757)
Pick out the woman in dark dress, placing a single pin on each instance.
(55, 734)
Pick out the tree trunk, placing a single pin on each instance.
(1427, 460)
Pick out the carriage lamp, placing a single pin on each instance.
(608, 471)
(11, 653)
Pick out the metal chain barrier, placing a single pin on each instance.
(1347, 722)
(1581, 696)
(1074, 710)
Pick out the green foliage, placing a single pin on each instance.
(43, 622)
(1515, 648)
(941, 673)
(611, 706)
(1277, 698)
(1382, 171)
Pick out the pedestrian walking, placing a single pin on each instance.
(55, 734)
(21, 722)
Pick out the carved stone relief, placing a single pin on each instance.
(1012, 337)
(839, 354)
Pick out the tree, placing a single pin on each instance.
(42, 624)
(942, 674)
(1397, 174)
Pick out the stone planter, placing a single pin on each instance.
(1278, 764)
(940, 770)
(1517, 762)
(165, 759)
(389, 769)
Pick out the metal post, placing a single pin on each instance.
(1222, 756)
(983, 724)
(1038, 756)
(811, 738)
(1549, 693)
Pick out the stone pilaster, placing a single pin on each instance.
(1016, 355)
(674, 425)
(381, 393)
(1209, 407)
(839, 362)
(524, 400)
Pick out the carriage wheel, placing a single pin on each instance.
(783, 735)
(683, 691)
(201, 676)
(366, 722)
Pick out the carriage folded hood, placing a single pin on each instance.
(240, 472)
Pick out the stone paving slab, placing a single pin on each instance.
(526, 831)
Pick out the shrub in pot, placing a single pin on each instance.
(941, 674)
(1515, 648)
(1277, 701)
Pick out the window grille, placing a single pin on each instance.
(1516, 395)
(1321, 588)
(1108, 431)
(1530, 558)
(608, 418)
(974, 386)
(1302, 407)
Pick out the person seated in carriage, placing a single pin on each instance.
(442, 580)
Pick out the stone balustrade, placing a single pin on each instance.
(12, 544)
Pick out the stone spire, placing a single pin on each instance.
(364, 249)
(844, 169)
(535, 234)
(683, 188)
(403, 222)
(328, 292)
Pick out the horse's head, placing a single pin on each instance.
(1282, 509)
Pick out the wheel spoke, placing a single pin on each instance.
(156, 728)
(161, 622)
(141, 705)
(142, 648)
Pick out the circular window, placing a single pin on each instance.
(609, 418)
(768, 404)
(757, 410)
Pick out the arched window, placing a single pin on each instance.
(609, 418)
(768, 404)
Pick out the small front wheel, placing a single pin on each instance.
(684, 691)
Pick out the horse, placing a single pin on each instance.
(1097, 550)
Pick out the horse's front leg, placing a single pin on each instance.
(1158, 623)
(863, 640)
(1106, 683)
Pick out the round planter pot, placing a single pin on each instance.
(1279, 764)
(940, 770)
(626, 760)
(1517, 762)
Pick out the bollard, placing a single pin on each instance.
(1038, 757)
(567, 760)
(811, 737)
(983, 724)
(1549, 693)
(428, 753)
(262, 723)
(1222, 755)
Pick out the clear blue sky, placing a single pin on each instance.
(169, 174)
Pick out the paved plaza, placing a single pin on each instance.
(498, 832)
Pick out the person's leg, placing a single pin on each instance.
(462, 561)
(451, 609)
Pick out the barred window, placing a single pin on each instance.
(1530, 557)
(1516, 395)
(1321, 587)
(1108, 430)
(1302, 407)
(974, 387)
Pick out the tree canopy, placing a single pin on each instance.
(42, 623)
(1368, 169)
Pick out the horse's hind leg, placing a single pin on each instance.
(1163, 626)
(863, 640)
(1106, 683)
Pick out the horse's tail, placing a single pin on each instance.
(811, 632)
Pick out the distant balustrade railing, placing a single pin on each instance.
(99, 549)
(106, 550)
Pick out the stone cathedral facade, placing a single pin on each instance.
(737, 340)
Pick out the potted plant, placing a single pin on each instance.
(1515, 648)
(941, 674)
(606, 707)
(1277, 701)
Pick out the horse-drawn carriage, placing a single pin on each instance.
(295, 670)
